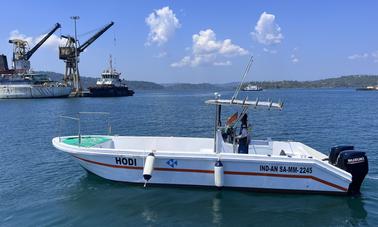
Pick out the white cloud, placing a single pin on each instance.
(206, 49)
(294, 60)
(223, 63)
(163, 23)
(52, 42)
(267, 31)
(269, 51)
(183, 62)
(374, 55)
(370, 56)
(161, 54)
(358, 56)
(294, 56)
(15, 34)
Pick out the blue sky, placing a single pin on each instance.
(205, 41)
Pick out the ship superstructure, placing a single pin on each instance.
(20, 81)
(110, 84)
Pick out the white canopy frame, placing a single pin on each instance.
(245, 104)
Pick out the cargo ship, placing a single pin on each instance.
(31, 85)
(110, 85)
(20, 82)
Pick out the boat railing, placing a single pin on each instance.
(78, 120)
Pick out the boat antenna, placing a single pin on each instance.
(246, 71)
(115, 47)
(111, 64)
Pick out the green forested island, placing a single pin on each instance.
(352, 81)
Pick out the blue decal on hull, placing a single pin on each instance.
(172, 163)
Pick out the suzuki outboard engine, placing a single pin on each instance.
(356, 163)
(335, 151)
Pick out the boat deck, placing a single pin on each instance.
(86, 141)
(190, 145)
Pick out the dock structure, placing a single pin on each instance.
(70, 52)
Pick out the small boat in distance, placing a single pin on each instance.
(368, 88)
(251, 87)
(110, 84)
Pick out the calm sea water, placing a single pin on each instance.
(42, 186)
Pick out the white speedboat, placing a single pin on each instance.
(214, 162)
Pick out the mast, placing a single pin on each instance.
(217, 122)
(76, 78)
(243, 78)
(111, 64)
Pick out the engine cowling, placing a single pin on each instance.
(356, 163)
(335, 151)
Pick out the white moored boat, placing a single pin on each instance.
(268, 165)
(251, 87)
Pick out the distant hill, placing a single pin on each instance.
(143, 85)
(352, 81)
(188, 86)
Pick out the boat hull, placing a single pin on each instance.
(258, 89)
(366, 89)
(252, 173)
(32, 91)
(110, 91)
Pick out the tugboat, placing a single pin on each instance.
(110, 85)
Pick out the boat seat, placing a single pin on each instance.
(284, 149)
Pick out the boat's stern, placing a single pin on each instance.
(351, 161)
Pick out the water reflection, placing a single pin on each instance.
(41, 186)
(217, 208)
(132, 203)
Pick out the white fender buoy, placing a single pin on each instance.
(148, 166)
(218, 174)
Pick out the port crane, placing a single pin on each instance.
(22, 53)
(70, 53)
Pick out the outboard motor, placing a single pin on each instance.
(356, 163)
(335, 151)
